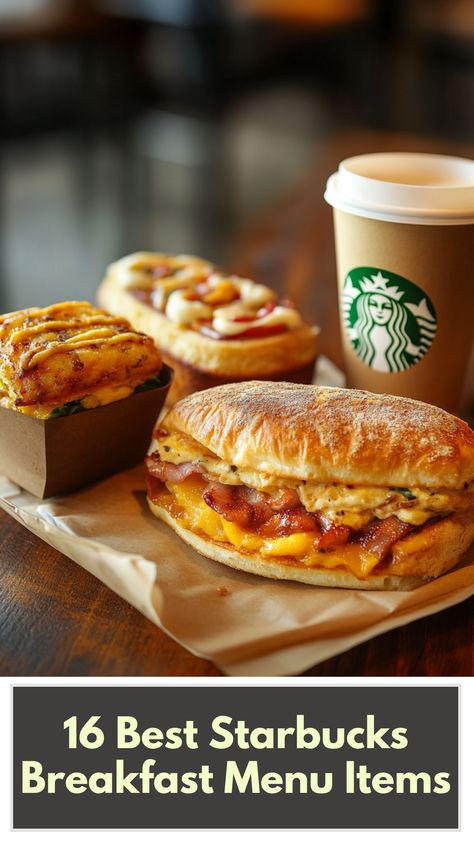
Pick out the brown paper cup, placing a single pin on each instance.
(404, 257)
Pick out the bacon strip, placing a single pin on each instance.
(289, 521)
(252, 509)
(379, 535)
(288, 499)
(167, 471)
(234, 503)
(280, 516)
(336, 536)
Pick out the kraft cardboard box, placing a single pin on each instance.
(58, 455)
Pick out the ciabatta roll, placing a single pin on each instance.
(326, 486)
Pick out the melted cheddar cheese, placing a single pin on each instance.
(184, 500)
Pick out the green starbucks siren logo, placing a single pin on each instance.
(390, 321)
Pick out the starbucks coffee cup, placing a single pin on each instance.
(404, 228)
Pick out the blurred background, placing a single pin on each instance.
(209, 127)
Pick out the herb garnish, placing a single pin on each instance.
(151, 383)
(69, 408)
(405, 492)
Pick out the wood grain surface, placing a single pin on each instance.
(56, 619)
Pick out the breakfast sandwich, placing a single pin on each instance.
(320, 485)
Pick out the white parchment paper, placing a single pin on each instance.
(245, 624)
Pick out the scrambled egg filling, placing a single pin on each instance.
(353, 506)
(101, 397)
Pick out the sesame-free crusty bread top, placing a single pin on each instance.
(328, 434)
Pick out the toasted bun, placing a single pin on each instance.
(329, 435)
(446, 539)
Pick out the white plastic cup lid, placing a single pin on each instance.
(405, 187)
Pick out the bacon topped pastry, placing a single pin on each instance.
(325, 486)
(210, 326)
(71, 356)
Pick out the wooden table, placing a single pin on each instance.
(57, 619)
